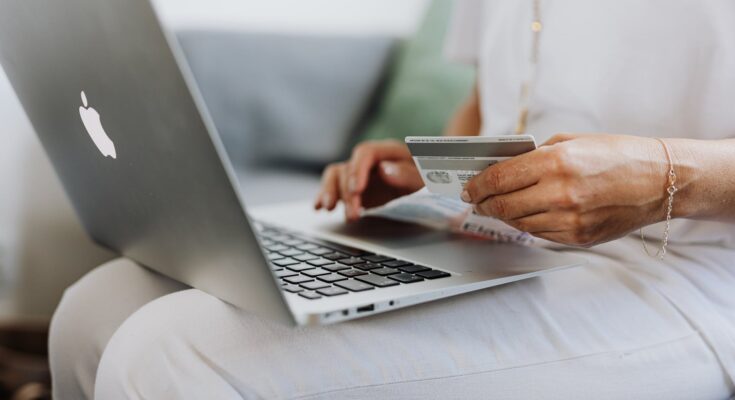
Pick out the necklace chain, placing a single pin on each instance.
(527, 86)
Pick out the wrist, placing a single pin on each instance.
(690, 173)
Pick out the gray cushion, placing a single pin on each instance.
(280, 97)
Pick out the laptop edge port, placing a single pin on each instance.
(367, 308)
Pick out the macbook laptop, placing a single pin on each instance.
(119, 115)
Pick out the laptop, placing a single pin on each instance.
(116, 109)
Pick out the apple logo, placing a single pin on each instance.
(91, 120)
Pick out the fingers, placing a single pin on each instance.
(567, 238)
(508, 176)
(329, 193)
(531, 200)
(565, 227)
(561, 137)
(365, 156)
(401, 175)
(546, 222)
(352, 202)
(347, 181)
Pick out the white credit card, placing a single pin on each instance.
(447, 163)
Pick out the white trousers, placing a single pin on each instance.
(624, 326)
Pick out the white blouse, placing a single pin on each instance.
(662, 68)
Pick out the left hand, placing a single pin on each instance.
(579, 190)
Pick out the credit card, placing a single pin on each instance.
(447, 163)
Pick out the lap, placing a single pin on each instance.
(89, 313)
(599, 330)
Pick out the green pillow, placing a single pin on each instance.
(424, 89)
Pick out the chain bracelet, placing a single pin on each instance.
(671, 190)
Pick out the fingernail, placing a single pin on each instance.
(326, 200)
(390, 169)
(352, 184)
(465, 196)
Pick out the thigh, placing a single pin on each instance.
(597, 331)
(89, 313)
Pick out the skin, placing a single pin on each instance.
(380, 171)
(575, 189)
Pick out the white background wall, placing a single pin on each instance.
(395, 17)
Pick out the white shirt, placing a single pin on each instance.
(659, 68)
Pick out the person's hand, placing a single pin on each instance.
(579, 190)
(377, 172)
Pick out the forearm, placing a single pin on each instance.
(467, 119)
(705, 177)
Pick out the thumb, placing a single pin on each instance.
(400, 174)
(561, 137)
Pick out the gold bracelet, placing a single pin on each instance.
(671, 190)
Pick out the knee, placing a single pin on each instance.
(158, 352)
(75, 340)
(89, 313)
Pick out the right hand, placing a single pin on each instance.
(377, 172)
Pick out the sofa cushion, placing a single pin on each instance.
(424, 89)
(280, 97)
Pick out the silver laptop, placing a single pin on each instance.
(116, 109)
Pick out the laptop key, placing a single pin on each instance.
(310, 295)
(298, 279)
(377, 280)
(280, 237)
(314, 285)
(406, 278)
(305, 257)
(320, 251)
(284, 273)
(292, 288)
(433, 274)
(377, 258)
(285, 262)
(274, 256)
(354, 286)
(332, 278)
(320, 262)
(351, 251)
(332, 291)
(352, 273)
(335, 256)
(395, 263)
(299, 267)
(412, 269)
(315, 272)
(367, 266)
(335, 267)
(307, 247)
(276, 247)
(293, 242)
(351, 261)
(291, 252)
(384, 271)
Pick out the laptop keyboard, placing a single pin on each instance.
(314, 269)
